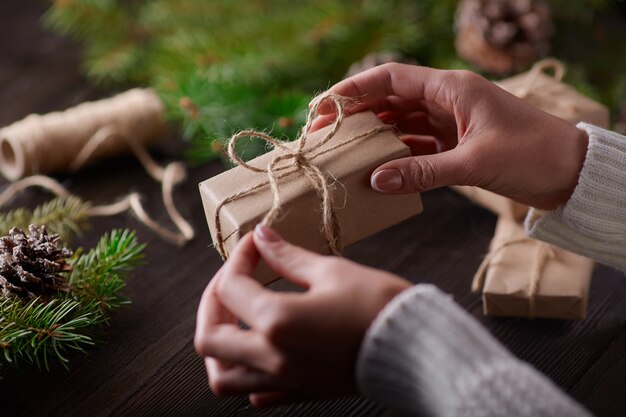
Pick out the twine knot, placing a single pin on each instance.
(295, 158)
(544, 252)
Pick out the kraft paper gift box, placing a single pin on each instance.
(361, 212)
(524, 277)
(549, 94)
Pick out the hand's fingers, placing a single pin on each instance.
(214, 365)
(421, 145)
(229, 344)
(390, 103)
(243, 259)
(420, 173)
(237, 290)
(322, 121)
(210, 311)
(273, 398)
(292, 262)
(243, 380)
(414, 123)
(405, 81)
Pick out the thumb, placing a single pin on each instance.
(419, 173)
(290, 261)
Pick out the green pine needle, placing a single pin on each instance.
(98, 274)
(63, 216)
(37, 331)
(240, 63)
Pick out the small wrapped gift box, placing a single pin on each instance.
(552, 96)
(524, 277)
(502, 206)
(346, 163)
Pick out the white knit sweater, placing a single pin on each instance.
(425, 355)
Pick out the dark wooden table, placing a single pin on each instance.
(147, 365)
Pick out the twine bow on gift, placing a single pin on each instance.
(544, 252)
(296, 160)
(536, 93)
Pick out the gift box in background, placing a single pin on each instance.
(549, 94)
(360, 211)
(524, 277)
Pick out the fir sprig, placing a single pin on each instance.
(265, 49)
(98, 274)
(62, 216)
(35, 331)
(222, 66)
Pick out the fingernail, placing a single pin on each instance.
(387, 180)
(265, 233)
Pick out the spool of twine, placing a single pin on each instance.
(56, 142)
(68, 140)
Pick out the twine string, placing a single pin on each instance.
(538, 68)
(292, 160)
(170, 176)
(543, 254)
(529, 91)
(62, 140)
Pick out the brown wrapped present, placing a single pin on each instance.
(502, 206)
(524, 277)
(317, 213)
(552, 96)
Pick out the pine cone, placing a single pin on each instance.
(31, 266)
(503, 36)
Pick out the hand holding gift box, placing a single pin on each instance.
(315, 191)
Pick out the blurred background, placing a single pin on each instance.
(225, 65)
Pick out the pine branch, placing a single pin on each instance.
(36, 331)
(238, 65)
(97, 275)
(65, 217)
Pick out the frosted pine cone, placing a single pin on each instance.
(503, 36)
(31, 265)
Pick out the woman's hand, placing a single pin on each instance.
(465, 130)
(299, 345)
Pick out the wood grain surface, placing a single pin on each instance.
(146, 365)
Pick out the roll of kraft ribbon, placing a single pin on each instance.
(65, 141)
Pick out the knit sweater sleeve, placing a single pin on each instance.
(593, 221)
(426, 356)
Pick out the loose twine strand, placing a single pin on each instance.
(169, 176)
(296, 159)
(543, 253)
